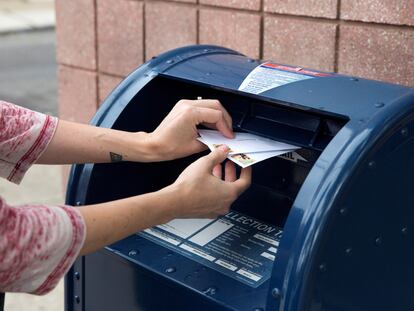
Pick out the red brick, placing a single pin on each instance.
(381, 54)
(379, 11)
(190, 1)
(316, 8)
(168, 26)
(120, 36)
(239, 4)
(75, 33)
(106, 85)
(77, 94)
(299, 42)
(239, 31)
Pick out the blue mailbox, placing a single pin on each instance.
(329, 227)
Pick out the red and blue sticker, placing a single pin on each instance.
(270, 75)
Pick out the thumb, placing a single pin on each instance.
(217, 156)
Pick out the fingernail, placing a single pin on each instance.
(224, 148)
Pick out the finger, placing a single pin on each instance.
(244, 181)
(230, 171)
(214, 116)
(215, 104)
(214, 127)
(215, 157)
(217, 171)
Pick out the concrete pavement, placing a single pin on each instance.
(24, 15)
(28, 70)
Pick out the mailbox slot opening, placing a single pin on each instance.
(276, 182)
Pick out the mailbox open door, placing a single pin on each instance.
(328, 227)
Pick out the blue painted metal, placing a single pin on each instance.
(347, 236)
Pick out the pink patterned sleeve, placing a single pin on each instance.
(38, 243)
(24, 135)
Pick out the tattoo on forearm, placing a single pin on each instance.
(115, 157)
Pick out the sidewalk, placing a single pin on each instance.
(26, 15)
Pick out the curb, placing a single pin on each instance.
(25, 30)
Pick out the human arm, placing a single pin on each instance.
(39, 243)
(199, 192)
(28, 137)
(175, 137)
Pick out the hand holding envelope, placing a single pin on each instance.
(245, 149)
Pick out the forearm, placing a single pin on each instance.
(81, 143)
(109, 222)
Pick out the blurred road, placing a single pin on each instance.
(28, 70)
(28, 78)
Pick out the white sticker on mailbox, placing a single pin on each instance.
(235, 244)
(270, 75)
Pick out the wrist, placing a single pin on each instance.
(143, 147)
(170, 203)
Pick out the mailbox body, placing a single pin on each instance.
(346, 210)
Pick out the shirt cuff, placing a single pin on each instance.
(35, 151)
(78, 239)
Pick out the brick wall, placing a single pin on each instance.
(100, 41)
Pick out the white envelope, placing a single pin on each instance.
(242, 142)
(260, 148)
